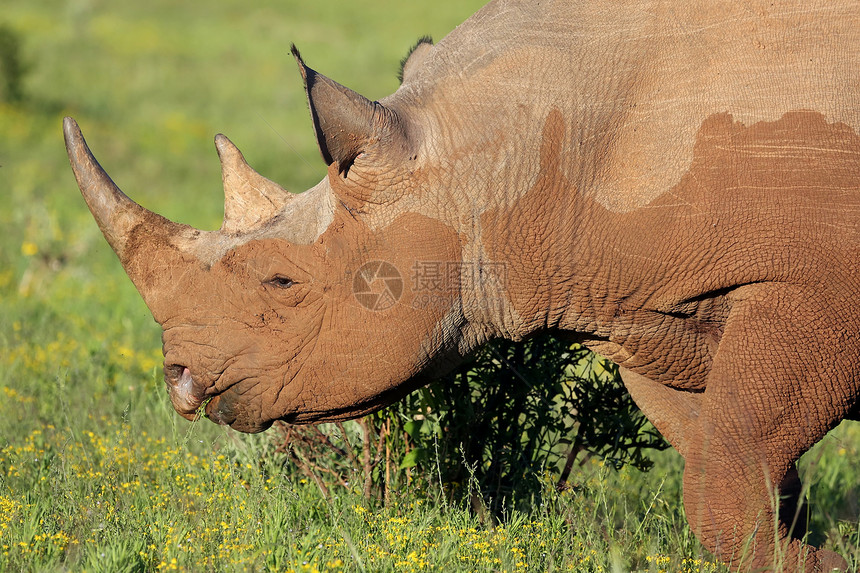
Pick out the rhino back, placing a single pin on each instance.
(634, 82)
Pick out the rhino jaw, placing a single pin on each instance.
(192, 400)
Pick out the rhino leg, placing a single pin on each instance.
(781, 352)
(673, 412)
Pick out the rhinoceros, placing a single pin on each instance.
(674, 184)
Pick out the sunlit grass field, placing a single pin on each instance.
(97, 472)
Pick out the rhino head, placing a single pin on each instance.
(302, 307)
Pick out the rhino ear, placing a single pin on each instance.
(346, 123)
(417, 54)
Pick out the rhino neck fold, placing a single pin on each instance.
(536, 240)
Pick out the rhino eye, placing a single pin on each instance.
(280, 281)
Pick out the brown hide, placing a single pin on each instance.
(675, 183)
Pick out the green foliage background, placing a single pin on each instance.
(96, 471)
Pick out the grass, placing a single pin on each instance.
(97, 472)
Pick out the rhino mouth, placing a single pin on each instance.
(186, 394)
(193, 399)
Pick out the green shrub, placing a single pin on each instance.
(489, 432)
(12, 67)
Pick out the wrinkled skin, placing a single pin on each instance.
(674, 184)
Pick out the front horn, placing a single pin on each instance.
(117, 216)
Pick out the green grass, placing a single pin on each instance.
(96, 470)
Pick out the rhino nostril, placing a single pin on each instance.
(173, 372)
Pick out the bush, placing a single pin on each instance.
(489, 432)
(12, 68)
